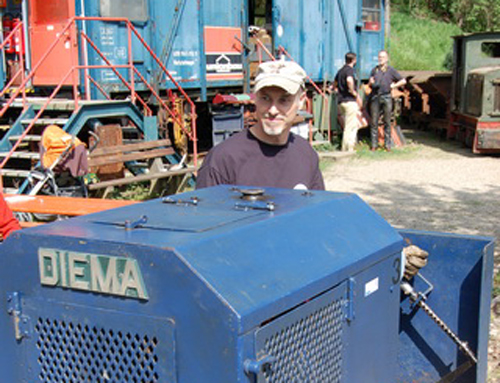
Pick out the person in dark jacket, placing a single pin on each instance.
(383, 79)
(268, 154)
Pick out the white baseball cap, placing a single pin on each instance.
(287, 75)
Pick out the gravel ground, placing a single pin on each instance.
(429, 185)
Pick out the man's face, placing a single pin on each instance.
(275, 111)
(383, 58)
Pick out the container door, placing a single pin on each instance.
(299, 26)
(372, 36)
(47, 21)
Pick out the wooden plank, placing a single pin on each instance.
(99, 161)
(141, 178)
(72, 206)
(129, 148)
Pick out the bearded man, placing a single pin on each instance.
(268, 154)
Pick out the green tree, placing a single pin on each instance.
(469, 15)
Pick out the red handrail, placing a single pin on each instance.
(17, 29)
(261, 45)
(75, 68)
(193, 134)
(114, 69)
(35, 68)
(325, 98)
(37, 116)
(100, 88)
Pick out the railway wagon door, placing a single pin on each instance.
(372, 35)
(300, 27)
(47, 21)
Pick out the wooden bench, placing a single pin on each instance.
(135, 152)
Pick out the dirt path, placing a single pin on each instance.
(429, 185)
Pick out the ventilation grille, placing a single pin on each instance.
(71, 353)
(308, 350)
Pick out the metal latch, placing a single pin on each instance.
(349, 304)
(257, 367)
(253, 199)
(255, 205)
(22, 323)
(129, 225)
(177, 201)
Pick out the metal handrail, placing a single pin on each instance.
(35, 68)
(193, 134)
(32, 123)
(318, 89)
(11, 37)
(132, 70)
(261, 45)
(45, 105)
(114, 67)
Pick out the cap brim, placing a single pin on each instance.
(288, 85)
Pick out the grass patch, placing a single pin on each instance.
(405, 152)
(496, 285)
(327, 147)
(420, 44)
(133, 192)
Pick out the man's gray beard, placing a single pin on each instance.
(273, 132)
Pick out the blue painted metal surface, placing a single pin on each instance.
(461, 270)
(317, 35)
(320, 33)
(370, 42)
(222, 285)
(238, 294)
(106, 109)
(174, 30)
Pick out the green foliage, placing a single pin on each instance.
(135, 192)
(496, 285)
(469, 15)
(421, 44)
(408, 151)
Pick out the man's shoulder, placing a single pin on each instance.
(232, 143)
(393, 70)
(301, 144)
(346, 69)
(231, 148)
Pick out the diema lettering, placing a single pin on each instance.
(101, 274)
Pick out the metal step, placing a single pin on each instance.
(32, 138)
(23, 155)
(14, 173)
(57, 104)
(46, 121)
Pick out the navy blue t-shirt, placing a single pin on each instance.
(244, 160)
(384, 79)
